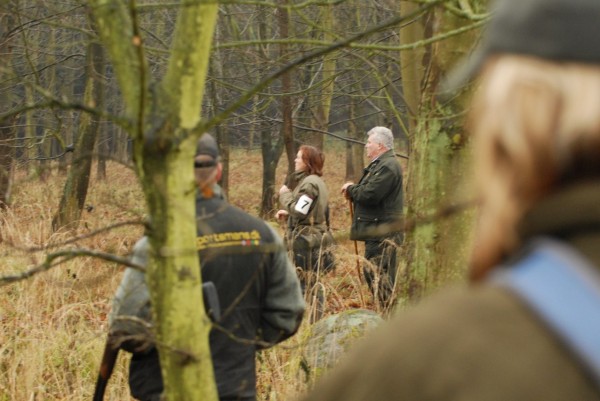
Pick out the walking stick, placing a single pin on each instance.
(106, 368)
(355, 243)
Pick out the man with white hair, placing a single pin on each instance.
(377, 201)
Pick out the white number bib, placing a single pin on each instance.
(303, 204)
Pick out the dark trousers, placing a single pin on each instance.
(306, 261)
(382, 267)
(145, 378)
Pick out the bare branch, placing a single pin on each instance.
(60, 257)
(78, 238)
(205, 126)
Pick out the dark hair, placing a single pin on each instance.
(313, 158)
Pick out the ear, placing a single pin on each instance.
(219, 172)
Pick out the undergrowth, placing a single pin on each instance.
(53, 325)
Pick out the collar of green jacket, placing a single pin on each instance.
(385, 155)
(295, 178)
(571, 214)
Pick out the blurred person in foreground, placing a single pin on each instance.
(306, 210)
(377, 203)
(528, 325)
(258, 291)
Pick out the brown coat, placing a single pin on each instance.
(479, 343)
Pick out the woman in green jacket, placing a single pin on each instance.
(306, 208)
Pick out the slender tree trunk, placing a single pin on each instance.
(29, 142)
(102, 134)
(44, 141)
(76, 186)
(67, 140)
(272, 149)
(7, 155)
(222, 134)
(8, 132)
(102, 151)
(354, 152)
(322, 108)
(121, 146)
(287, 130)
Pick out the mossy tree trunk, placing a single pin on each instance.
(165, 124)
(435, 248)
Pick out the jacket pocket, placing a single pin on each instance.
(365, 228)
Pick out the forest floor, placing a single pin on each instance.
(53, 325)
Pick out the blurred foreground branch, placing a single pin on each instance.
(60, 257)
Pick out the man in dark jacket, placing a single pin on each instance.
(258, 290)
(377, 201)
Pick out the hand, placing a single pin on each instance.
(283, 189)
(345, 189)
(281, 214)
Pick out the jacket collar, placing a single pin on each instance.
(385, 155)
(571, 214)
(571, 209)
(216, 192)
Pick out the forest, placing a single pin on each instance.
(102, 103)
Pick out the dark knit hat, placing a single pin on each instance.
(207, 146)
(558, 30)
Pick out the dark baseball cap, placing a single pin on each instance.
(207, 146)
(557, 30)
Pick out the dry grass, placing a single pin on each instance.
(53, 325)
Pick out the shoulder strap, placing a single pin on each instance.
(563, 288)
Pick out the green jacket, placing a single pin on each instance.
(479, 343)
(377, 198)
(311, 192)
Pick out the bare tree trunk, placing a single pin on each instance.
(272, 149)
(45, 149)
(322, 108)
(121, 146)
(7, 130)
(7, 136)
(221, 132)
(29, 147)
(287, 130)
(102, 153)
(76, 186)
(101, 145)
(355, 162)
